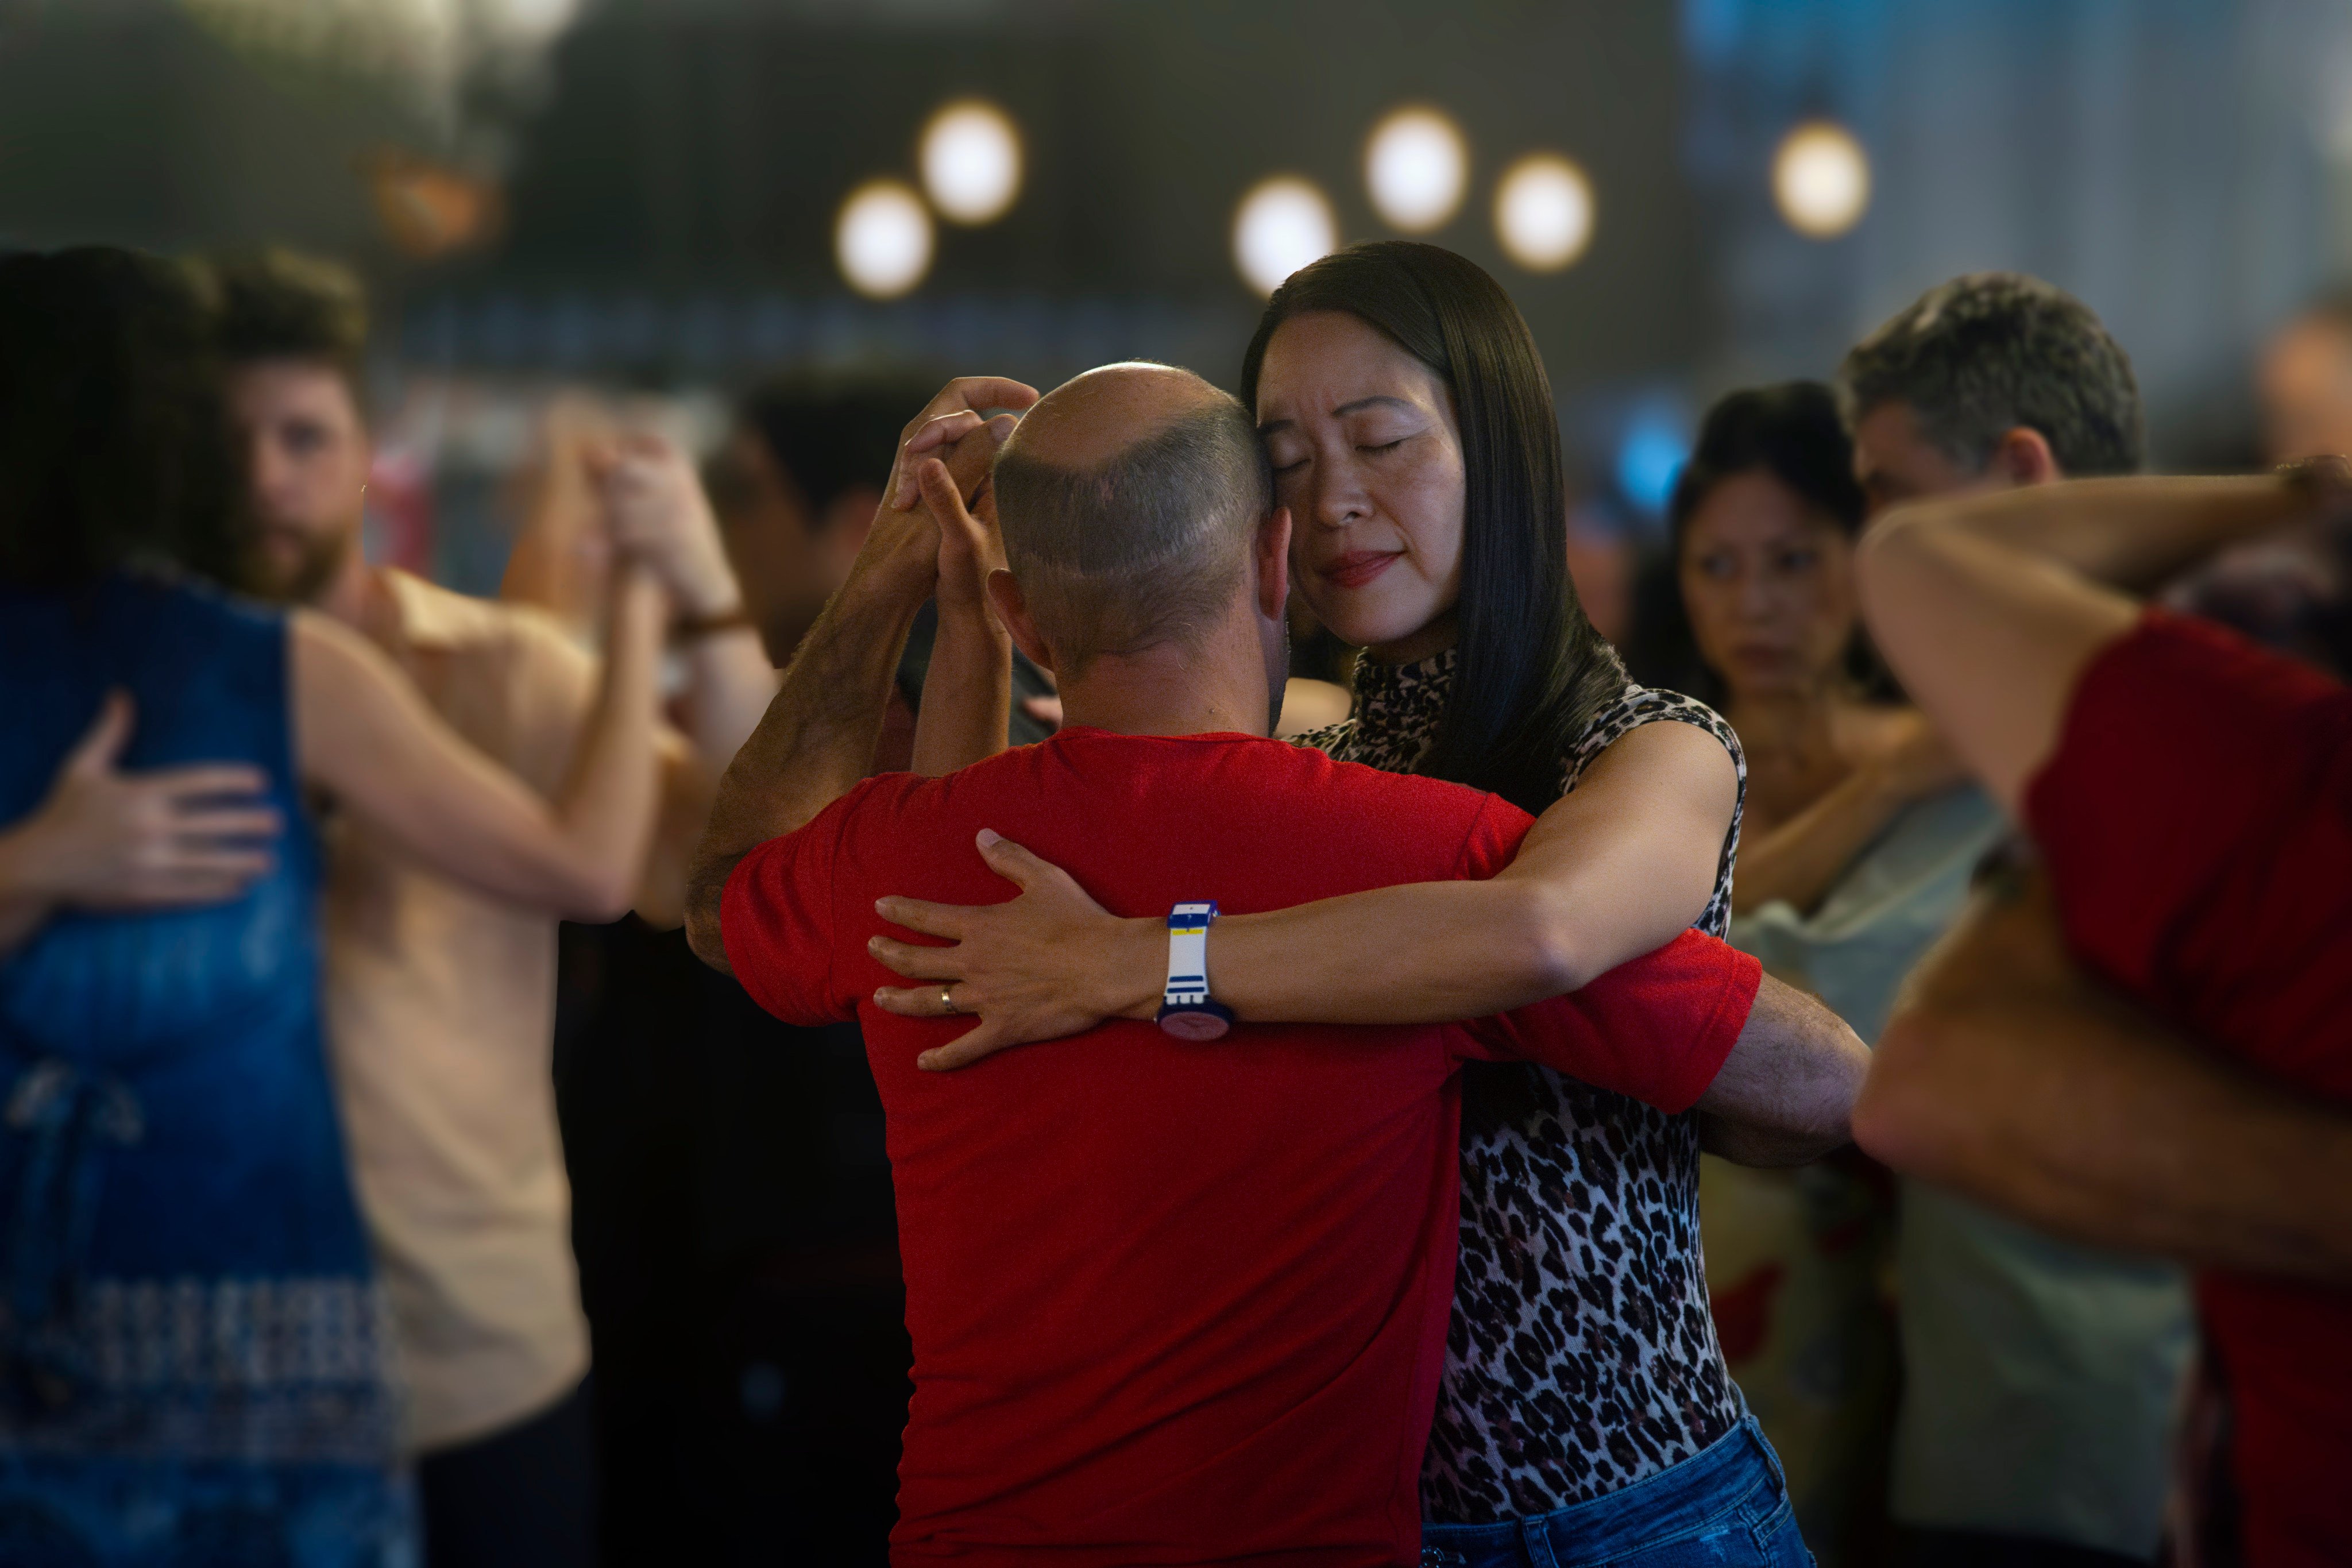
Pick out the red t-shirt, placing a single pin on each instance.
(1179, 1303)
(2197, 822)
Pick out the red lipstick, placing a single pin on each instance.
(1356, 567)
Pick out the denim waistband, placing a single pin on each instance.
(1710, 1483)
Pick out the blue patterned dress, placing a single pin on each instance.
(192, 1355)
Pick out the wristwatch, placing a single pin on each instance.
(1185, 1010)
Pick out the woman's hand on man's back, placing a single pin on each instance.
(164, 838)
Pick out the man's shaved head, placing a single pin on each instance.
(1128, 498)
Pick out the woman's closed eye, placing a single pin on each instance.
(1385, 436)
(1286, 453)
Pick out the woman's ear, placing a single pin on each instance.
(1004, 596)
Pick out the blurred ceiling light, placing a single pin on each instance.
(1415, 166)
(429, 210)
(1281, 225)
(971, 161)
(883, 239)
(527, 21)
(1820, 177)
(1543, 211)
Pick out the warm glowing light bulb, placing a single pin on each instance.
(527, 21)
(971, 158)
(883, 239)
(1281, 225)
(1415, 167)
(1543, 211)
(1820, 177)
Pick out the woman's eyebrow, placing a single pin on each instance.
(1379, 400)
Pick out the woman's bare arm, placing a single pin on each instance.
(1989, 607)
(1799, 860)
(968, 687)
(364, 734)
(1615, 869)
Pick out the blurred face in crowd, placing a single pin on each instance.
(2304, 383)
(1767, 581)
(789, 557)
(1893, 462)
(307, 456)
(1367, 457)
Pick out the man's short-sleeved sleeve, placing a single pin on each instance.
(1656, 1030)
(2195, 820)
(778, 921)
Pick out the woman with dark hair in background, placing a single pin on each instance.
(1761, 527)
(1763, 524)
(1410, 423)
(192, 1354)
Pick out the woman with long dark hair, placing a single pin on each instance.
(1410, 429)
(193, 1353)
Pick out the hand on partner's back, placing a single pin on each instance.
(106, 840)
(1047, 964)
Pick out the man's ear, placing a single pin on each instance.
(1272, 552)
(2023, 457)
(1004, 596)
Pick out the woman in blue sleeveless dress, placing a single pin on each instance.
(192, 1355)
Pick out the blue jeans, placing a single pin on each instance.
(1727, 1505)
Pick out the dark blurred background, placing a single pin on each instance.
(644, 191)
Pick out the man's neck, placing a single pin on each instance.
(1167, 691)
(358, 596)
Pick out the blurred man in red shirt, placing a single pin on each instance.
(1173, 1301)
(2190, 794)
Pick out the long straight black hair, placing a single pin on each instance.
(114, 435)
(1532, 670)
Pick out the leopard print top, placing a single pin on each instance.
(1582, 1357)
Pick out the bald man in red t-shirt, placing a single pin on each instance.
(1173, 1298)
(2191, 796)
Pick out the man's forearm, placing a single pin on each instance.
(2009, 1075)
(814, 745)
(2075, 1114)
(2130, 533)
(1786, 1093)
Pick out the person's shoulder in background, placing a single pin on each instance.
(2195, 820)
(532, 684)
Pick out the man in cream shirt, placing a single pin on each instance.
(440, 1004)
